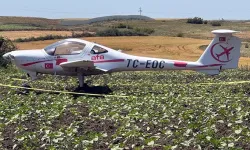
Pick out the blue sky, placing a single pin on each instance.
(209, 9)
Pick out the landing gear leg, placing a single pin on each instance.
(33, 76)
(82, 86)
(81, 80)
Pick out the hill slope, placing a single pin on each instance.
(28, 21)
(73, 22)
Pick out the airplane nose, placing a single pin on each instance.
(8, 56)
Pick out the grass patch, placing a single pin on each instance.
(53, 37)
(12, 27)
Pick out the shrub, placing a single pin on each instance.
(83, 34)
(6, 45)
(132, 33)
(144, 30)
(205, 22)
(180, 35)
(195, 20)
(53, 37)
(123, 26)
(246, 45)
(116, 32)
(108, 32)
(216, 23)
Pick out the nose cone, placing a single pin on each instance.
(8, 56)
(25, 59)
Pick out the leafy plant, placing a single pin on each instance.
(6, 45)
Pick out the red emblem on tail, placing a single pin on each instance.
(221, 53)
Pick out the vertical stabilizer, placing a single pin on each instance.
(224, 49)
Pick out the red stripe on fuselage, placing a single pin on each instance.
(65, 60)
(211, 65)
(180, 64)
(36, 62)
(61, 60)
(114, 60)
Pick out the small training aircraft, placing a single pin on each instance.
(75, 57)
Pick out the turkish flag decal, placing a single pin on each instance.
(48, 65)
(222, 39)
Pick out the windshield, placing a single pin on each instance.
(98, 50)
(65, 48)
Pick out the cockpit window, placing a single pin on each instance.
(65, 48)
(98, 50)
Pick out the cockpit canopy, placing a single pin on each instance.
(65, 47)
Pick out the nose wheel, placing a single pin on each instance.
(25, 85)
(32, 75)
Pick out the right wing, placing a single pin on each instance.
(85, 66)
(78, 64)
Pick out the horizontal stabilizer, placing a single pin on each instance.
(209, 72)
(224, 31)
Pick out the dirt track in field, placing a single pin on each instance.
(151, 46)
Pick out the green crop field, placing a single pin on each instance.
(146, 110)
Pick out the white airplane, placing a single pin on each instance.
(75, 57)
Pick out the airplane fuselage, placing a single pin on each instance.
(40, 62)
(75, 57)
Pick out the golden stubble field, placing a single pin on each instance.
(151, 46)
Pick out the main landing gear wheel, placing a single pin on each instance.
(33, 76)
(24, 91)
(85, 88)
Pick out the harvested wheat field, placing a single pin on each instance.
(151, 46)
(27, 34)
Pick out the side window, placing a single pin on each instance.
(98, 50)
(69, 48)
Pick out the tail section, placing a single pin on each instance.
(223, 51)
